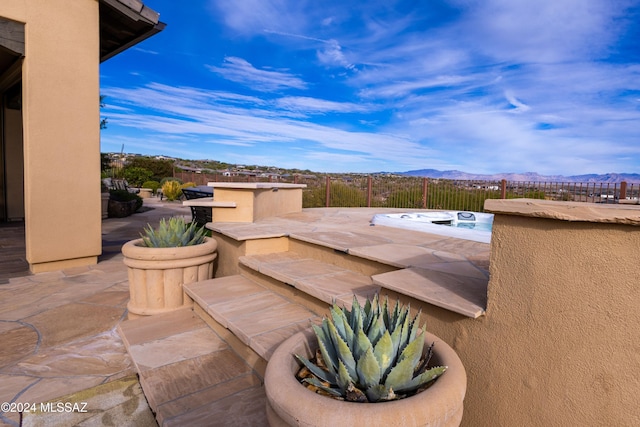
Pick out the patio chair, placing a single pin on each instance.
(201, 215)
(119, 184)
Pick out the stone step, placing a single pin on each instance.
(189, 374)
(260, 318)
(455, 291)
(326, 282)
(445, 280)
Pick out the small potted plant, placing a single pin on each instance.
(162, 261)
(366, 366)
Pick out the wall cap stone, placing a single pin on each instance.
(566, 211)
(254, 185)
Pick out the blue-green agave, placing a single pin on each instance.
(370, 354)
(172, 233)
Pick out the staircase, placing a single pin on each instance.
(205, 366)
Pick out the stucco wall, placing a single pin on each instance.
(61, 130)
(560, 342)
(255, 201)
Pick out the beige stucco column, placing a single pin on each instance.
(60, 82)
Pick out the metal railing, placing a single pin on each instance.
(428, 193)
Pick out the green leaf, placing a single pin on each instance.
(342, 325)
(394, 317)
(384, 311)
(380, 393)
(421, 379)
(377, 329)
(368, 369)
(326, 349)
(361, 344)
(344, 352)
(413, 351)
(317, 371)
(356, 315)
(400, 374)
(400, 336)
(415, 326)
(370, 313)
(385, 353)
(343, 378)
(315, 382)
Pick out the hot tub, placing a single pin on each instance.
(474, 226)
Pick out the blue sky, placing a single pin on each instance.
(483, 86)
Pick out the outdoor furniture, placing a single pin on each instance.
(201, 215)
(119, 184)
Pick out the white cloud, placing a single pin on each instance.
(542, 31)
(519, 106)
(241, 71)
(315, 105)
(195, 117)
(332, 55)
(253, 16)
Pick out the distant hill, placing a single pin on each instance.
(612, 178)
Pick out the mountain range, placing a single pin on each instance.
(612, 178)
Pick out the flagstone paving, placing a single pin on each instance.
(58, 329)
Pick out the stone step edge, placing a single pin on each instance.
(459, 294)
(229, 328)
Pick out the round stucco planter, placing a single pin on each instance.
(156, 275)
(289, 403)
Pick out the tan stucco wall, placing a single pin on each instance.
(60, 78)
(255, 201)
(229, 250)
(271, 203)
(560, 342)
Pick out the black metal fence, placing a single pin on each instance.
(428, 193)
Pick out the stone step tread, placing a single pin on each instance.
(326, 282)
(178, 358)
(444, 280)
(259, 317)
(455, 292)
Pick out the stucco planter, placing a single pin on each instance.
(145, 193)
(156, 275)
(289, 403)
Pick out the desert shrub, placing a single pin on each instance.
(125, 196)
(135, 176)
(169, 178)
(344, 195)
(153, 185)
(188, 184)
(172, 190)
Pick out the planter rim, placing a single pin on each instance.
(132, 249)
(289, 399)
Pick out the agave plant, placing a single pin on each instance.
(370, 354)
(172, 233)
